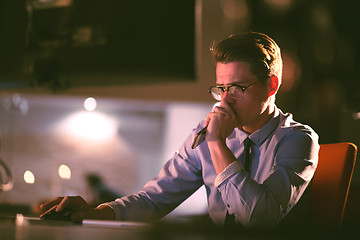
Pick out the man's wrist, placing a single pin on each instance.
(216, 142)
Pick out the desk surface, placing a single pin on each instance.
(26, 228)
(30, 228)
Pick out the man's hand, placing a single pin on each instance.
(221, 123)
(81, 209)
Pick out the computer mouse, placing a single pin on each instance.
(64, 215)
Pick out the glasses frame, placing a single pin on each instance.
(225, 88)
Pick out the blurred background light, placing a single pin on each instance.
(321, 17)
(64, 172)
(235, 9)
(88, 126)
(16, 104)
(280, 5)
(90, 104)
(29, 177)
(356, 116)
(291, 71)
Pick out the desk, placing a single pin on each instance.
(47, 230)
(31, 229)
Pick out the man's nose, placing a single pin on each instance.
(226, 97)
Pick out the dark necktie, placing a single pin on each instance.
(247, 158)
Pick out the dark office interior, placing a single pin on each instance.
(146, 64)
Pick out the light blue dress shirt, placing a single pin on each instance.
(284, 158)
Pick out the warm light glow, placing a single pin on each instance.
(235, 9)
(29, 177)
(64, 172)
(90, 104)
(292, 71)
(356, 116)
(89, 126)
(280, 5)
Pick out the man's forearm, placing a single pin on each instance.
(221, 155)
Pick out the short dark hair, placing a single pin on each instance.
(258, 49)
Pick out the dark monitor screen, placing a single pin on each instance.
(90, 42)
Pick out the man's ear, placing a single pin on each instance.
(273, 85)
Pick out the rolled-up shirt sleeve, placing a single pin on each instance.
(230, 170)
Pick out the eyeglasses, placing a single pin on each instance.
(235, 90)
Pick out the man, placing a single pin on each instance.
(254, 185)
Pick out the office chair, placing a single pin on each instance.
(331, 183)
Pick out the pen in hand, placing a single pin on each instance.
(200, 136)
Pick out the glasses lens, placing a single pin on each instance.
(216, 93)
(235, 91)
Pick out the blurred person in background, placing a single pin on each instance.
(99, 190)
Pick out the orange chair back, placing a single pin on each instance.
(331, 183)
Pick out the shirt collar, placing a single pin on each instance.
(260, 135)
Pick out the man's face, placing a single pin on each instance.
(253, 102)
